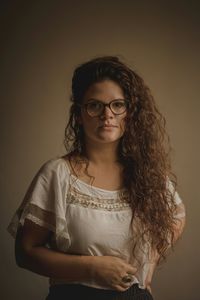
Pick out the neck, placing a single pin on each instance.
(102, 154)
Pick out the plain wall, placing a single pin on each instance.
(41, 43)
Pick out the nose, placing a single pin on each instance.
(107, 113)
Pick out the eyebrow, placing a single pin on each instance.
(93, 99)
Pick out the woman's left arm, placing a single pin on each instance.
(180, 222)
(178, 229)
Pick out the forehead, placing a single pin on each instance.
(106, 90)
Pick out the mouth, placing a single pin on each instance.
(108, 126)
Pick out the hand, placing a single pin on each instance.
(152, 266)
(148, 287)
(108, 271)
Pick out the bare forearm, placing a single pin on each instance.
(178, 229)
(50, 263)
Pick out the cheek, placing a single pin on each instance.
(88, 123)
(122, 123)
(84, 119)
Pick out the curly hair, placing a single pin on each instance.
(143, 150)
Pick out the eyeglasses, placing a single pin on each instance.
(95, 108)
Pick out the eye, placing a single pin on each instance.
(94, 105)
(118, 104)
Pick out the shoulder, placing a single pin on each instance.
(54, 171)
(55, 166)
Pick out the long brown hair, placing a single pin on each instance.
(143, 150)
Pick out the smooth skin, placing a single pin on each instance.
(102, 136)
(32, 254)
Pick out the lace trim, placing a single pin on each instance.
(44, 219)
(107, 204)
(40, 222)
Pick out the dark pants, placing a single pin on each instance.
(78, 291)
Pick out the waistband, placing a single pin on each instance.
(78, 291)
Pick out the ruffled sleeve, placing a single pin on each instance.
(180, 207)
(45, 203)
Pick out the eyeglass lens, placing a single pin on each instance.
(96, 108)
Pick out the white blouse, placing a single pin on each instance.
(84, 219)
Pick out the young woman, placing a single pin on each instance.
(98, 220)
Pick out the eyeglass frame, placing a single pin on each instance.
(104, 105)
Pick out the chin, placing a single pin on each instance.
(104, 138)
(108, 139)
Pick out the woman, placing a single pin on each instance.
(99, 219)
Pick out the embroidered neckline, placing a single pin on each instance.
(77, 197)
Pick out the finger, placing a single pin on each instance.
(126, 285)
(149, 289)
(121, 288)
(131, 270)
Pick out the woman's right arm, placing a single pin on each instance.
(32, 254)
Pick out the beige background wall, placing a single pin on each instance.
(41, 43)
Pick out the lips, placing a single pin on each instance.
(108, 126)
